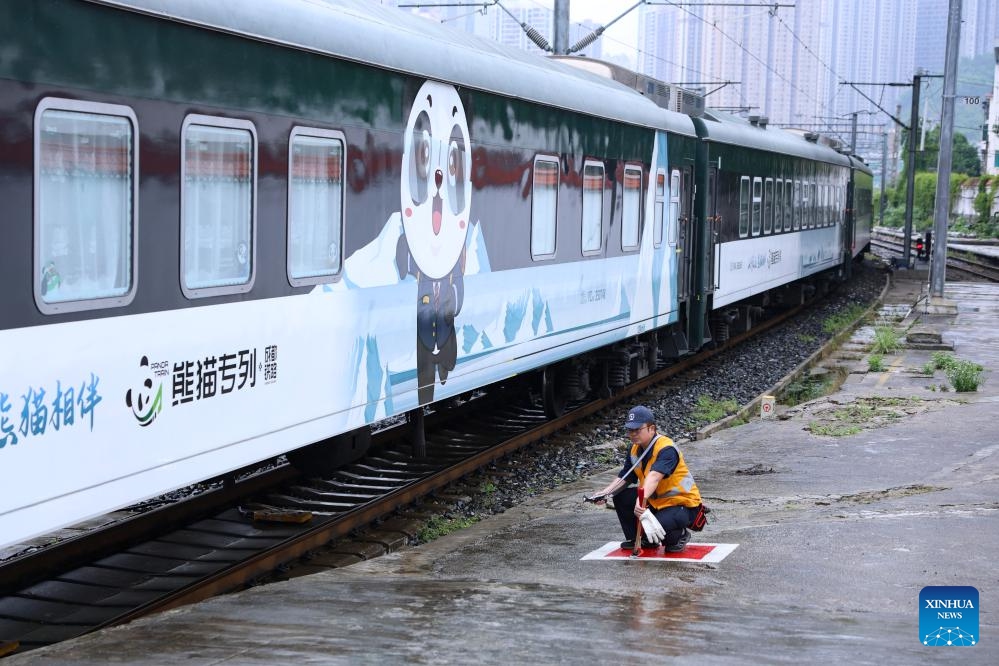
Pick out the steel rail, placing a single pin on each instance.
(956, 259)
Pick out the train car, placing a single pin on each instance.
(861, 212)
(776, 210)
(229, 234)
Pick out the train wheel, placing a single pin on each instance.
(553, 393)
(327, 456)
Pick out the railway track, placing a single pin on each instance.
(211, 544)
(965, 262)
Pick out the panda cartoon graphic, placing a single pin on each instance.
(436, 195)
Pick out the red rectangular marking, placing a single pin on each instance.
(693, 551)
(706, 553)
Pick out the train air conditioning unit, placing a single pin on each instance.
(665, 95)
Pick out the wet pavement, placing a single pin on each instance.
(837, 536)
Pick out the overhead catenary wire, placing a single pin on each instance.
(749, 53)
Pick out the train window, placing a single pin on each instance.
(544, 206)
(841, 207)
(85, 203)
(768, 206)
(827, 200)
(800, 205)
(831, 217)
(631, 213)
(674, 206)
(757, 204)
(820, 219)
(778, 204)
(593, 207)
(657, 230)
(744, 207)
(315, 205)
(217, 204)
(788, 210)
(813, 209)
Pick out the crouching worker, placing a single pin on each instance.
(672, 497)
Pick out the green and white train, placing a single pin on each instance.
(231, 230)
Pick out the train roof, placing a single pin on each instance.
(860, 165)
(724, 128)
(365, 32)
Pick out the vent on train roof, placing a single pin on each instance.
(663, 94)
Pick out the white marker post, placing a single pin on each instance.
(768, 406)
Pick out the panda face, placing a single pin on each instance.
(436, 187)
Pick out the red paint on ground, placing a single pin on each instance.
(693, 551)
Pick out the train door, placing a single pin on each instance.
(680, 194)
(713, 272)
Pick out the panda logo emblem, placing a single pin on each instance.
(435, 200)
(145, 404)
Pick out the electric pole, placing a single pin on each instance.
(910, 169)
(884, 177)
(853, 134)
(941, 212)
(561, 31)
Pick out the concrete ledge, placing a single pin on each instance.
(931, 346)
(940, 306)
(923, 335)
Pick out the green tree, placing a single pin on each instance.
(985, 225)
(923, 201)
(964, 155)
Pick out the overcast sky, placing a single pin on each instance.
(619, 38)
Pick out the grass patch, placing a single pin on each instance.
(839, 321)
(865, 412)
(710, 410)
(876, 363)
(886, 340)
(833, 429)
(487, 487)
(929, 368)
(607, 457)
(942, 360)
(439, 526)
(877, 401)
(965, 376)
(802, 390)
(804, 337)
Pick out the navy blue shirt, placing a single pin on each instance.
(665, 463)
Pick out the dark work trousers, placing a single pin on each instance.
(674, 519)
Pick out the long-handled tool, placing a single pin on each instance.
(637, 548)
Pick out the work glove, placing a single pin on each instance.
(651, 528)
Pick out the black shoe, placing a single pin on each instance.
(681, 544)
(630, 544)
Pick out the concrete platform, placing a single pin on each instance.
(990, 251)
(837, 536)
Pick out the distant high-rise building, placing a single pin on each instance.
(981, 27)
(992, 131)
(507, 31)
(979, 30)
(790, 65)
(931, 26)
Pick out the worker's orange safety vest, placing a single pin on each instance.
(676, 489)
